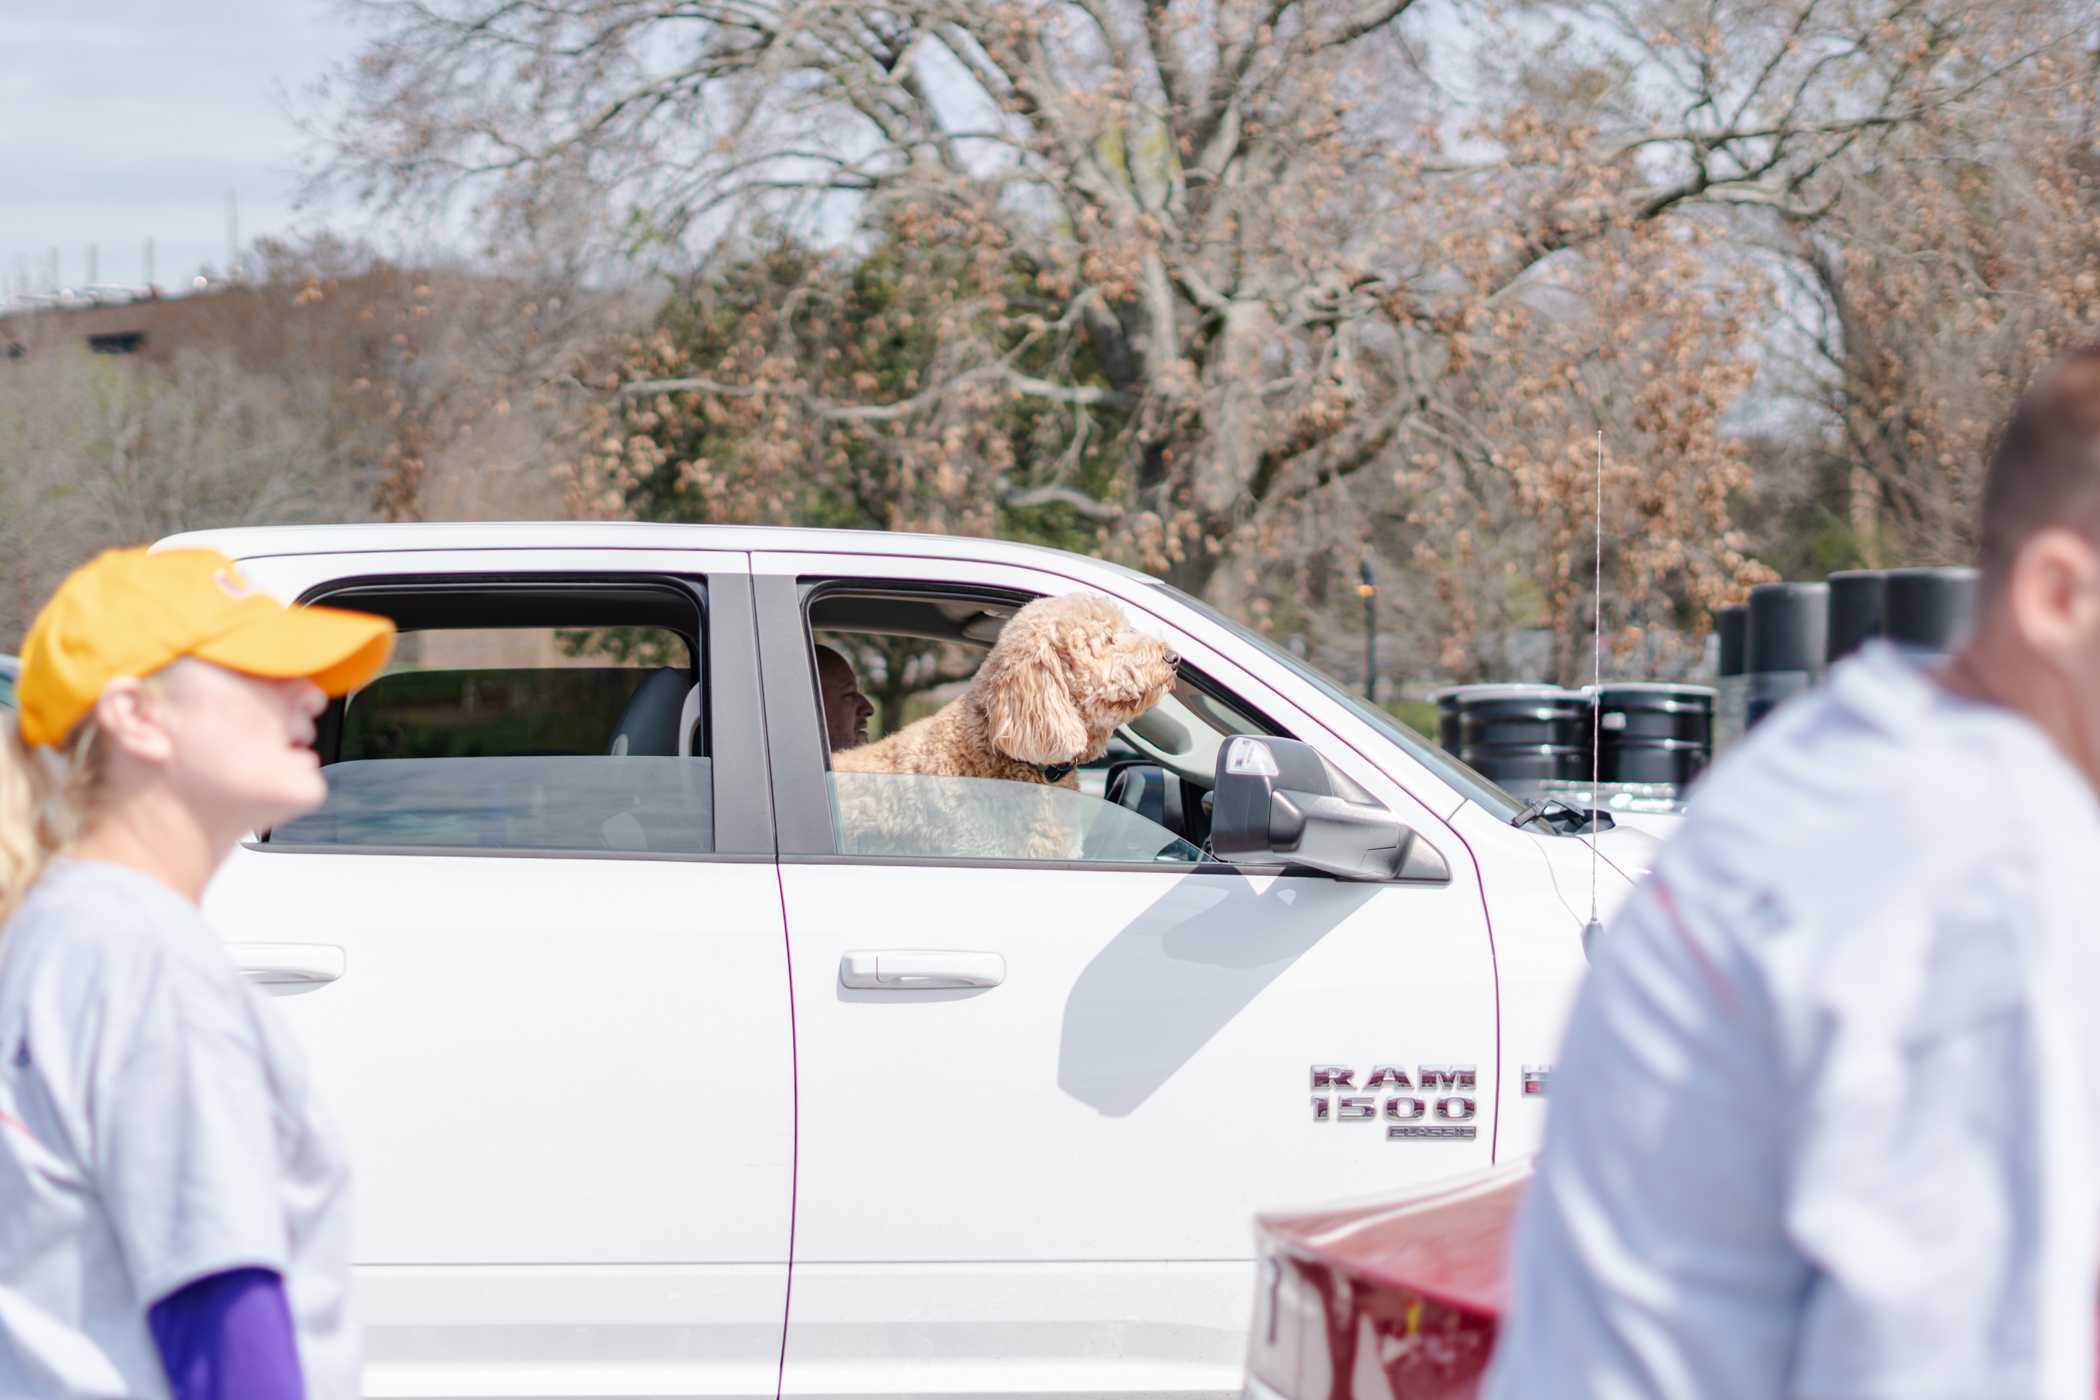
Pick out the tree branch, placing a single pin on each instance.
(1088, 394)
(1079, 501)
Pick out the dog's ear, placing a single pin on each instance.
(1027, 700)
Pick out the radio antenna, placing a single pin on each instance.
(1592, 928)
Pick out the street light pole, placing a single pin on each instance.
(1367, 589)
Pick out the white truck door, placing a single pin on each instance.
(544, 987)
(1039, 1104)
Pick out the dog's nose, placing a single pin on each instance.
(1171, 659)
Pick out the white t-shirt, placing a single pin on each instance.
(1827, 1117)
(156, 1127)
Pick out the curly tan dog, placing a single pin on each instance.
(1064, 674)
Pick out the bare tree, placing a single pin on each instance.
(97, 453)
(1965, 255)
(1289, 270)
(37, 433)
(439, 377)
(334, 384)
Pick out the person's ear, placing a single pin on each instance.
(129, 719)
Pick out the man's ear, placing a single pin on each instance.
(1026, 701)
(129, 719)
(2054, 590)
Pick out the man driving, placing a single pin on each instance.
(846, 710)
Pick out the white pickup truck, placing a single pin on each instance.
(662, 1081)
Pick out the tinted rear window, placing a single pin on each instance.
(585, 804)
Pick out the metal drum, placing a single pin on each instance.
(1732, 687)
(1447, 735)
(1519, 735)
(1654, 732)
(1858, 611)
(1789, 633)
(1930, 610)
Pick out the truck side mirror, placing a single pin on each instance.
(1277, 800)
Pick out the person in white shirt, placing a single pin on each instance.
(1826, 1121)
(174, 1202)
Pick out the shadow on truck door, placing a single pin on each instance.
(1186, 967)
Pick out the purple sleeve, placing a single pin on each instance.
(228, 1336)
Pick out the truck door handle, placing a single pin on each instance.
(914, 970)
(288, 964)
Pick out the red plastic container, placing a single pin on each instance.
(1396, 1300)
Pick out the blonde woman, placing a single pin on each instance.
(173, 1203)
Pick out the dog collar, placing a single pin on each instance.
(1055, 772)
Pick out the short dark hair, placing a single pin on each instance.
(2045, 466)
(834, 656)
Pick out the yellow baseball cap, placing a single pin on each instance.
(129, 612)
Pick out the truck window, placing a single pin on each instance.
(563, 719)
(1448, 767)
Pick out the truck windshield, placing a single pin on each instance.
(1446, 766)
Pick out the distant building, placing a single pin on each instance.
(121, 321)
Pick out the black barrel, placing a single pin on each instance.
(1654, 732)
(1789, 627)
(1857, 611)
(1732, 689)
(1930, 610)
(1447, 736)
(1522, 734)
(1734, 627)
(1789, 632)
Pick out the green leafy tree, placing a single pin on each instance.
(800, 385)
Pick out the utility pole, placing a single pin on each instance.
(1367, 589)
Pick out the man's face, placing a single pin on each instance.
(846, 710)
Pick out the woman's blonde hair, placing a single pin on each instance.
(46, 798)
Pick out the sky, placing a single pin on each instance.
(124, 120)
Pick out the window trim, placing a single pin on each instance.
(509, 853)
(733, 712)
(1203, 867)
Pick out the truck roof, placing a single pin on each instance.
(259, 541)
